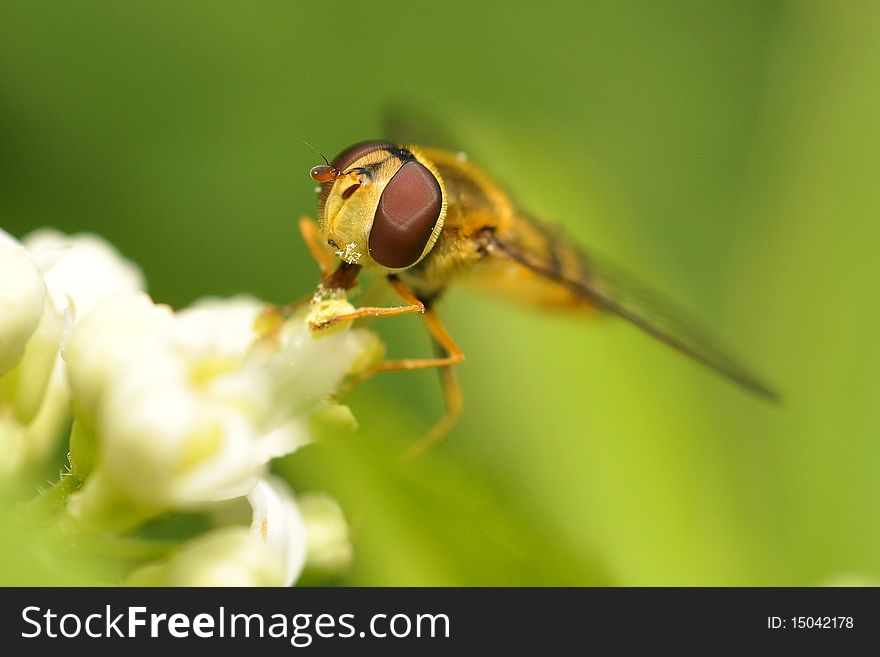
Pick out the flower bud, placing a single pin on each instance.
(329, 544)
(22, 296)
(232, 556)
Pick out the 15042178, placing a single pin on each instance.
(810, 622)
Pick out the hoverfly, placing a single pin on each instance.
(424, 218)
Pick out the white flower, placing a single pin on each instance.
(78, 272)
(277, 522)
(110, 342)
(33, 397)
(171, 411)
(81, 270)
(170, 433)
(22, 297)
(231, 556)
(189, 410)
(30, 333)
(48, 281)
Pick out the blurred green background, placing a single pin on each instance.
(726, 152)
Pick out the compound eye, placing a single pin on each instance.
(352, 154)
(408, 210)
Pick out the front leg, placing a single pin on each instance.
(314, 239)
(324, 320)
(447, 353)
(447, 356)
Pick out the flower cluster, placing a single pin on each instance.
(168, 411)
(46, 284)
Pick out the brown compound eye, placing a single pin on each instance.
(405, 218)
(352, 154)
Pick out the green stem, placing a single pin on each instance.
(49, 511)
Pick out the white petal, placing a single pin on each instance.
(22, 298)
(81, 270)
(285, 439)
(218, 328)
(278, 523)
(106, 345)
(309, 368)
(23, 388)
(8, 241)
(165, 443)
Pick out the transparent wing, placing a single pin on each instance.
(619, 293)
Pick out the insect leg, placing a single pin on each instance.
(314, 239)
(448, 354)
(414, 305)
(452, 398)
